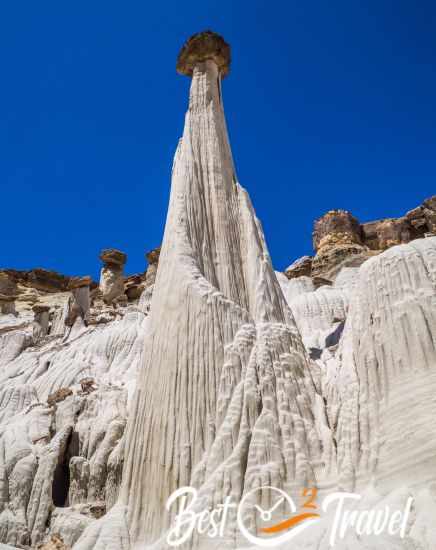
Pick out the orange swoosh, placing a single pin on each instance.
(292, 522)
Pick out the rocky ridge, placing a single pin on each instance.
(340, 240)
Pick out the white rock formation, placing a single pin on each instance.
(81, 431)
(316, 312)
(225, 396)
(292, 288)
(387, 372)
(243, 378)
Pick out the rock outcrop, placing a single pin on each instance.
(7, 304)
(383, 234)
(8, 284)
(79, 301)
(36, 288)
(153, 262)
(300, 268)
(337, 227)
(8, 294)
(42, 318)
(112, 274)
(341, 241)
(134, 286)
(45, 280)
(337, 240)
(417, 223)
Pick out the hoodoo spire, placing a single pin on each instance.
(222, 340)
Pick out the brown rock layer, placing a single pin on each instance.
(337, 227)
(112, 256)
(79, 282)
(341, 241)
(201, 47)
(133, 286)
(300, 268)
(39, 279)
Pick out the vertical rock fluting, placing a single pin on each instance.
(7, 304)
(385, 386)
(225, 384)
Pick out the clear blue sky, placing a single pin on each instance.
(330, 104)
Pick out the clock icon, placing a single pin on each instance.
(249, 505)
(277, 534)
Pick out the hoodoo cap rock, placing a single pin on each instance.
(201, 47)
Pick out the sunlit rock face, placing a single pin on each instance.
(387, 373)
(300, 268)
(216, 405)
(337, 239)
(216, 372)
(64, 396)
(341, 241)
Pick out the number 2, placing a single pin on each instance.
(310, 502)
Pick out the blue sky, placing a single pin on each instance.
(330, 104)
